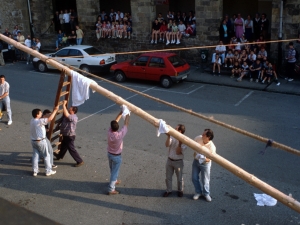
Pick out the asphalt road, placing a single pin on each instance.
(78, 195)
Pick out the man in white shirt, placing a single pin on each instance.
(38, 45)
(220, 49)
(175, 162)
(28, 44)
(4, 99)
(202, 165)
(38, 140)
(66, 18)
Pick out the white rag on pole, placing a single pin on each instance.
(264, 199)
(201, 158)
(80, 88)
(163, 128)
(125, 111)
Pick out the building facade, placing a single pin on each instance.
(208, 16)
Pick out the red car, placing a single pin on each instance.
(167, 68)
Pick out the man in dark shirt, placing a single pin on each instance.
(264, 26)
(67, 129)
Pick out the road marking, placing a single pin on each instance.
(246, 96)
(195, 90)
(112, 105)
(52, 74)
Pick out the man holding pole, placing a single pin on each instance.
(115, 148)
(202, 165)
(175, 162)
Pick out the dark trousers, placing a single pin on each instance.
(254, 74)
(290, 70)
(68, 144)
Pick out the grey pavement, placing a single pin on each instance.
(200, 75)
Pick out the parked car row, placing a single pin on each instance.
(166, 68)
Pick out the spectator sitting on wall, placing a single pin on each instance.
(251, 57)
(181, 30)
(189, 30)
(129, 29)
(169, 32)
(262, 54)
(217, 62)
(162, 31)
(175, 33)
(243, 57)
(58, 39)
(98, 29)
(229, 59)
(155, 31)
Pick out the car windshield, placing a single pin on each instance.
(176, 61)
(93, 51)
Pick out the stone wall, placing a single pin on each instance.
(14, 13)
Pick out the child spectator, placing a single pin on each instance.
(189, 30)
(243, 57)
(98, 30)
(236, 70)
(244, 71)
(230, 46)
(108, 30)
(155, 31)
(229, 58)
(218, 63)
(169, 31)
(162, 31)
(174, 34)
(251, 57)
(194, 27)
(160, 18)
(125, 30)
(181, 28)
(129, 29)
(64, 41)
(267, 73)
(170, 15)
(238, 47)
(236, 56)
(262, 54)
(255, 69)
(121, 30)
(265, 66)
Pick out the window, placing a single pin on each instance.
(75, 52)
(93, 51)
(176, 61)
(62, 53)
(157, 62)
(142, 61)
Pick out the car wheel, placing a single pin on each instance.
(166, 82)
(120, 76)
(42, 67)
(86, 69)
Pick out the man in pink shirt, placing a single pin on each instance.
(114, 150)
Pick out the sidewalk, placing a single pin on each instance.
(199, 75)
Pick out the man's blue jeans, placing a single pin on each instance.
(79, 41)
(114, 165)
(40, 147)
(204, 171)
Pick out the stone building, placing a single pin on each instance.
(208, 17)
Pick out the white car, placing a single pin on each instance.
(84, 57)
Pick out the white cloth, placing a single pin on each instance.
(125, 111)
(264, 199)
(201, 158)
(80, 88)
(162, 127)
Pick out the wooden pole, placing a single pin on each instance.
(244, 175)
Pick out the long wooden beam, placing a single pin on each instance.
(239, 172)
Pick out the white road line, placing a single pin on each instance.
(246, 96)
(188, 87)
(51, 74)
(194, 90)
(112, 105)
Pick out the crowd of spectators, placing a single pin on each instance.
(13, 54)
(245, 52)
(173, 27)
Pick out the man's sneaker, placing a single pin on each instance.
(114, 192)
(160, 40)
(262, 81)
(155, 42)
(207, 198)
(225, 65)
(27, 63)
(196, 196)
(256, 80)
(178, 42)
(51, 173)
(278, 84)
(9, 122)
(54, 166)
(251, 79)
(152, 41)
(291, 79)
(167, 43)
(34, 174)
(231, 66)
(166, 194)
(239, 79)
